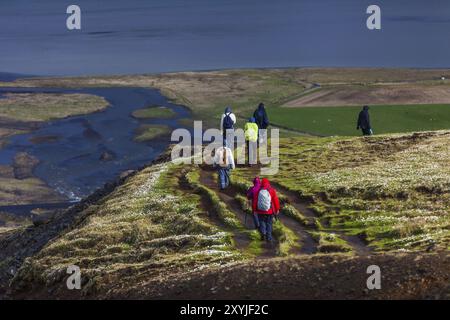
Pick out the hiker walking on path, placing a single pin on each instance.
(266, 205)
(262, 121)
(251, 139)
(224, 161)
(251, 194)
(227, 122)
(364, 122)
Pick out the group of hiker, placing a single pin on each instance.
(264, 201)
(254, 128)
(255, 132)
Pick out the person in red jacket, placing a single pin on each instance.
(266, 205)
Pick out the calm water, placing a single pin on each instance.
(138, 36)
(71, 164)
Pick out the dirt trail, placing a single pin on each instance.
(306, 242)
(241, 239)
(207, 179)
(357, 244)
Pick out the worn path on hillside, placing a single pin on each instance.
(241, 239)
(207, 179)
(307, 245)
(357, 244)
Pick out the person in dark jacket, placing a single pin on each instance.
(364, 122)
(262, 121)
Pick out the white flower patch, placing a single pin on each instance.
(425, 164)
(420, 238)
(377, 219)
(151, 181)
(210, 252)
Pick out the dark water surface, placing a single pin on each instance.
(70, 149)
(139, 36)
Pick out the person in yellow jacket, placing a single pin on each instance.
(251, 138)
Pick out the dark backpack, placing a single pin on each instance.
(228, 122)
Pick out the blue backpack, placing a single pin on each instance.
(227, 122)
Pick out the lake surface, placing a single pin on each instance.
(70, 161)
(139, 36)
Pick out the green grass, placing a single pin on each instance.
(290, 211)
(149, 132)
(287, 239)
(154, 112)
(255, 246)
(330, 121)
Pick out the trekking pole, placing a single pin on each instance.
(245, 220)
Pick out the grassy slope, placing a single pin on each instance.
(392, 190)
(146, 229)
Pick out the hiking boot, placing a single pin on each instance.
(263, 237)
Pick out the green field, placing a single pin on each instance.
(342, 120)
